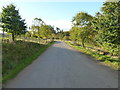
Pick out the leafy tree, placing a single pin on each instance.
(67, 33)
(38, 22)
(41, 30)
(107, 26)
(75, 34)
(111, 32)
(61, 34)
(28, 34)
(102, 29)
(12, 21)
(46, 31)
(87, 34)
(82, 27)
(81, 19)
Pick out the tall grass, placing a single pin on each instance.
(107, 60)
(18, 55)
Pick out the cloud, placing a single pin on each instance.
(62, 24)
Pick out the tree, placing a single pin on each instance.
(38, 23)
(107, 23)
(107, 26)
(60, 34)
(28, 34)
(75, 34)
(66, 35)
(87, 34)
(81, 19)
(22, 27)
(111, 32)
(82, 25)
(12, 21)
(46, 31)
(58, 29)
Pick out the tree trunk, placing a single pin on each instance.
(83, 43)
(3, 34)
(119, 58)
(13, 37)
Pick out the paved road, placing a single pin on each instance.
(63, 67)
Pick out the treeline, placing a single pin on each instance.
(12, 23)
(101, 30)
(41, 30)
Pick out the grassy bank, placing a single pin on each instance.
(107, 60)
(16, 56)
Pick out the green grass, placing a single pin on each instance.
(16, 56)
(107, 60)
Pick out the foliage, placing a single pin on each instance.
(75, 33)
(101, 30)
(12, 22)
(81, 19)
(37, 23)
(41, 30)
(46, 31)
(27, 34)
(60, 34)
(107, 27)
(82, 28)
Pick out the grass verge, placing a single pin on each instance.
(107, 60)
(16, 56)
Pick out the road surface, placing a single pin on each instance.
(60, 66)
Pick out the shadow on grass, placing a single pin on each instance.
(111, 60)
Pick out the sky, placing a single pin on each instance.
(58, 14)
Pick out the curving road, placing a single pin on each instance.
(60, 66)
